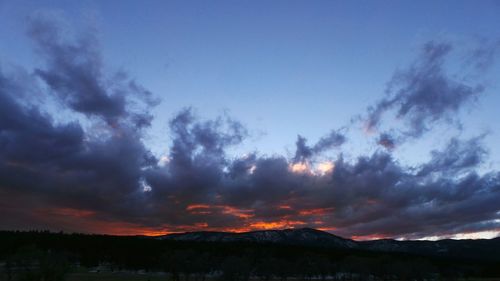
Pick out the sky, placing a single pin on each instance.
(367, 119)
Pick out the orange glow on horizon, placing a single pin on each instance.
(369, 237)
(75, 220)
(327, 229)
(80, 220)
(276, 224)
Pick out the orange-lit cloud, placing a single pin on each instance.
(75, 219)
(240, 213)
(369, 237)
(300, 168)
(328, 229)
(325, 167)
(320, 169)
(68, 212)
(317, 211)
(276, 224)
(204, 209)
(197, 206)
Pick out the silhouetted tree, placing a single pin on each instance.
(43, 255)
(235, 269)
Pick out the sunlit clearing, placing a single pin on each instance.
(318, 169)
(145, 186)
(164, 160)
(471, 235)
(477, 235)
(325, 167)
(252, 169)
(300, 168)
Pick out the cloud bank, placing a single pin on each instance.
(91, 171)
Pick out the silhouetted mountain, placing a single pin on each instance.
(302, 236)
(480, 248)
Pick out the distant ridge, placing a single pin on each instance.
(300, 236)
(476, 249)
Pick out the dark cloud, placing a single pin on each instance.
(374, 195)
(458, 156)
(74, 72)
(303, 151)
(424, 93)
(386, 140)
(482, 57)
(64, 175)
(441, 195)
(48, 164)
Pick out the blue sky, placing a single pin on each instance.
(281, 68)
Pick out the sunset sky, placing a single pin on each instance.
(367, 119)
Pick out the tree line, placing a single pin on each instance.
(42, 255)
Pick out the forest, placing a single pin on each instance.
(42, 255)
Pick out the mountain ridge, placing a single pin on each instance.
(466, 248)
(286, 236)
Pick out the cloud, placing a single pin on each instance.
(60, 163)
(74, 72)
(458, 156)
(425, 93)
(483, 56)
(65, 175)
(386, 140)
(373, 195)
(304, 152)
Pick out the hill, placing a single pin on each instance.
(302, 236)
(488, 249)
